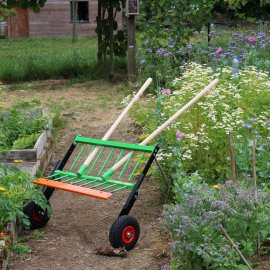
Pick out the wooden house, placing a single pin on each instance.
(55, 19)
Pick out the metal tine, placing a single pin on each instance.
(136, 166)
(53, 175)
(70, 179)
(78, 156)
(106, 161)
(110, 186)
(117, 189)
(96, 160)
(125, 166)
(60, 177)
(80, 180)
(120, 155)
(97, 185)
(88, 183)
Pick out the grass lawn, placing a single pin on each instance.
(44, 58)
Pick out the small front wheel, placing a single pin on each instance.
(124, 232)
(37, 216)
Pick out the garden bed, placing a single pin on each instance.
(34, 159)
(31, 160)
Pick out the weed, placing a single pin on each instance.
(21, 248)
(37, 234)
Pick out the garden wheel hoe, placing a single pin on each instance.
(107, 167)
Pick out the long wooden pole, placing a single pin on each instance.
(114, 126)
(166, 124)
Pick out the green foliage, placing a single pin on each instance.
(195, 220)
(20, 127)
(37, 234)
(165, 62)
(5, 11)
(16, 190)
(198, 140)
(25, 142)
(103, 29)
(34, 5)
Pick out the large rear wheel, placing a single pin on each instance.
(124, 232)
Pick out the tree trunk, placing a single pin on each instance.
(99, 33)
(74, 20)
(111, 20)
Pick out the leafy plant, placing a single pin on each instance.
(199, 211)
(16, 190)
(20, 127)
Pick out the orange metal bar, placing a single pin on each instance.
(75, 189)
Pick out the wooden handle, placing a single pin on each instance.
(168, 122)
(118, 120)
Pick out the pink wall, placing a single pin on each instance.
(54, 20)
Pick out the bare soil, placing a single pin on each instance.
(79, 225)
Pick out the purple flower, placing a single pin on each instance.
(180, 134)
(268, 122)
(252, 39)
(166, 91)
(219, 51)
(146, 42)
(245, 125)
(142, 61)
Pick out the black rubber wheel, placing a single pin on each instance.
(37, 216)
(124, 232)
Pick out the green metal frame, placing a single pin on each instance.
(103, 179)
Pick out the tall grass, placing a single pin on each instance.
(46, 58)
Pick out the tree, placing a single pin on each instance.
(35, 5)
(5, 11)
(110, 40)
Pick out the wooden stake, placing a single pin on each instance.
(131, 48)
(232, 157)
(235, 247)
(254, 170)
(255, 188)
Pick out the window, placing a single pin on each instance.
(82, 11)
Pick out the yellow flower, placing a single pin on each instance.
(216, 186)
(18, 160)
(2, 189)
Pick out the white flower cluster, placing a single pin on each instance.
(222, 110)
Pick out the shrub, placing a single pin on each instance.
(195, 219)
(162, 58)
(198, 140)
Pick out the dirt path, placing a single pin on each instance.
(81, 224)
